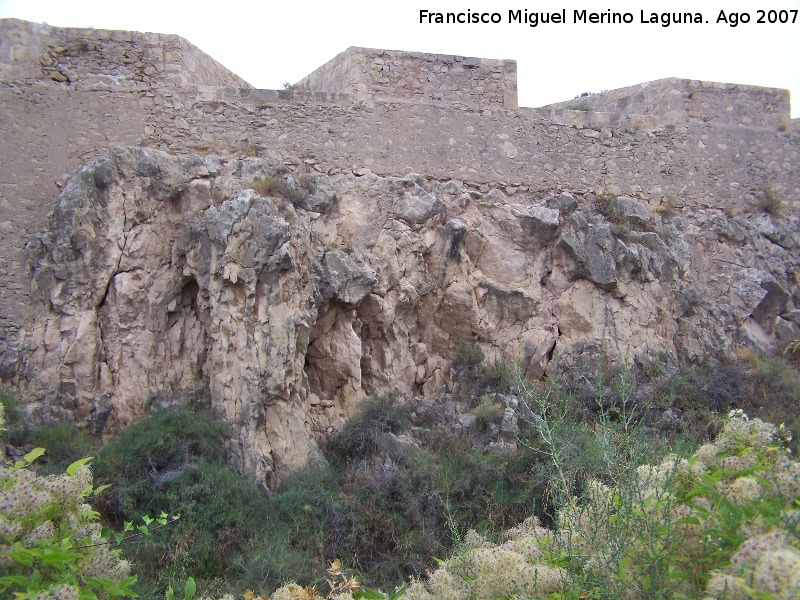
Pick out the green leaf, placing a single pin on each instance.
(99, 489)
(170, 595)
(189, 589)
(368, 594)
(33, 455)
(59, 560)
(22, 557)
(762, 480)
(73, 468)
(18, 579)
(399, 593)
(111, 589)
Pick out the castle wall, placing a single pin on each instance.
(101, 57)
(688, 101)
(368, 73)
(48, 130)
(696, 164)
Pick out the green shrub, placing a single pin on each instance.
(291, 189)
(775, 391)
(150, 453)
(474, 378)
(231, 535)
(582, 106)
(770, 203)
(64, 445)
(722, 524)
(388, 509)
(173, 461)
(360, 436)
(16, 431)
(487, 412)
(792, 351)
(467, 359)
(498, 378)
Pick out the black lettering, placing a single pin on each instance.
(731, 19)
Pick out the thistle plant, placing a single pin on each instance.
(341, 585)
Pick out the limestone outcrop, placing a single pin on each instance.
(291, 296)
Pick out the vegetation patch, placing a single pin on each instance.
(474, 378)
(770, 203)
(571, 509)
(282, 186)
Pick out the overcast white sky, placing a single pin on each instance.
(268, 42)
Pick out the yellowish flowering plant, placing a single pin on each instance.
(52, 546)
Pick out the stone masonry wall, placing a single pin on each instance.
(103, 57)
(686, 101)
(416, 76)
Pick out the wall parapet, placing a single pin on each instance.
(390, 74)
(104, 57)
(687, 101)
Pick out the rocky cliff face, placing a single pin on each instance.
(293, 296)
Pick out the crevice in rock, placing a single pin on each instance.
(457, 237)
(187, 330)
(333, 359)
(552, 351)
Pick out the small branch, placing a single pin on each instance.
(126, 538)
(729, 262)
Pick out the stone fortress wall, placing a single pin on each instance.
(121, 59)
(366, 73)
(684, 101)
(69, 96)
